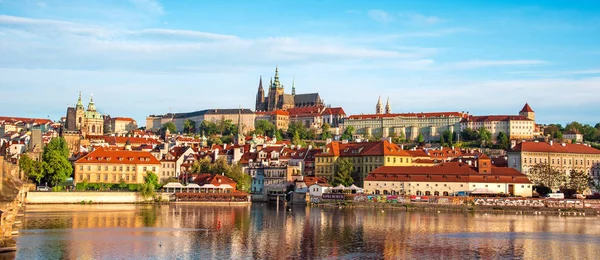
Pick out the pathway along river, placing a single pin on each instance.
(260, 231)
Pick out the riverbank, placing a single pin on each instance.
(514, 210)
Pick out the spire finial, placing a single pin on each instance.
(294, 85)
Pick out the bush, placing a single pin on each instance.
(133, 187)
(58, 188)
(80, 186)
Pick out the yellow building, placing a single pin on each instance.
(111, 166)
(279, 118)
(365, 157)
(448, 178)
(562, 156)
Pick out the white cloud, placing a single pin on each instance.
(472, 64)
(420, 19)
(185, 33)
(149, 5)
(558, 73)
(380, 16)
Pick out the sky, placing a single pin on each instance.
(142, 57)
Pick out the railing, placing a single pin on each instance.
(212, 197)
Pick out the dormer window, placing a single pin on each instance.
(120, 158)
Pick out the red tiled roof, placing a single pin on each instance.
(338, 111)
(214, 179)
(310, 180)
(26, 120)
(102, 155)
(417, 153)
(123, 119)
(494, 118)
(446, 172)
(418, 115)
(526, 108)
(555, 148)
(312, 111)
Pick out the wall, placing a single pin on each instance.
(77, 197)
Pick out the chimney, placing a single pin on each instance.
(551, 142)
(475, 163)
(310, 147)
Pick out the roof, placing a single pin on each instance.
(554, 148)
(214, 179)
(307, 98)
(495, 118)
(26, 120)
(102, 155)
(380, 148)
(128, 119)
(526, 108)
(447, 172)
(417, 115)
(334, 111)
(311, 111)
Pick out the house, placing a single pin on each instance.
(317, 189)
(219, 181)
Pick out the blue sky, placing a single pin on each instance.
(141, 57)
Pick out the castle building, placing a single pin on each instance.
(88, 122)
(517, 127)
(277, 99)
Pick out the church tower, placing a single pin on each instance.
(79, 113)
(527, 112)
(260, 96)
(379, 107)
(240, 138)
(388, 108)
(293, 86)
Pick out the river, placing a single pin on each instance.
(188, 231)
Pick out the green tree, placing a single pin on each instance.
(242, 180)
(469, 134)
(151, 178)
(343, 172)
(226, 139)
(448, 138)
(542, 174)
(325, 134)
(122, 184)
(32, 169)
(296, 138)
(303, 132)
(214, 139)
(580, 181)
(201, 166)
(169, 125)
(279, 134)
(485, 136)
(502, 141)
(189, 126)
(55, 162)
(348, 132)
(264, 127)
(420, 138)
(207, 127)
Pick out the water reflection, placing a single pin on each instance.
(188, 231)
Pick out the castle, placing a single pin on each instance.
(88, 122)
(277, 99)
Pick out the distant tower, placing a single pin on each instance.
(379, 107)
(388, 108)
(260, 96)
(293, 87)
(240, 138)
(79, 113)
(527, 112)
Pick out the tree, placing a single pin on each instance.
(189, 126)
(151, 178)
(469, 134)
(226, 139)
(208, 128)
(580, 181)
(55, 163)
(279, 134)
(397, 138)
(296, 138)
(32, 169)
(485, 136)
(214, 139)
(122, 184)
(420, 138)
(348, 132)
(542, 174)
(169, 125)
(325, 134)
(303, 132)
(448, 138)
(442, 140)
(264, 127)
(201, 166)
(343, 172)
(502, 141)
(242, 180)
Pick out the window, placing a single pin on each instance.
(498, 186)
(106, 168)
(127, 169)
(98, 177)
(522, 186)
(99, 167)
(144, 168)
(89, 168)
(114, 168)
(106, 177)
(473, 185)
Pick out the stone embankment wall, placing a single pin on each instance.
(10, 204)
(79, 197)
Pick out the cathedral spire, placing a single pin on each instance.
(293, 86)
(260, 87)
(379, 107)
(388, 107)
(277, 83)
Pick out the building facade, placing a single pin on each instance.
(448, 179)
(119, 125)
(562, 156)
(517, 127)
(277, 99)
(111, 166)
(245, 116)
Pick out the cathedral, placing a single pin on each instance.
(88, 122)
(277, 99)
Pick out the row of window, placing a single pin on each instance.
(106, 177)
(114, 168)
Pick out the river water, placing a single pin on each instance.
(187, 231)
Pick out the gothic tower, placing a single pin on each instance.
(79, 113)
(379, 107)
(388, 108)
(260, 96)
(293, 86)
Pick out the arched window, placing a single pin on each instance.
(79, 120)
(93, 128)
(428, 193)
(436, 193)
